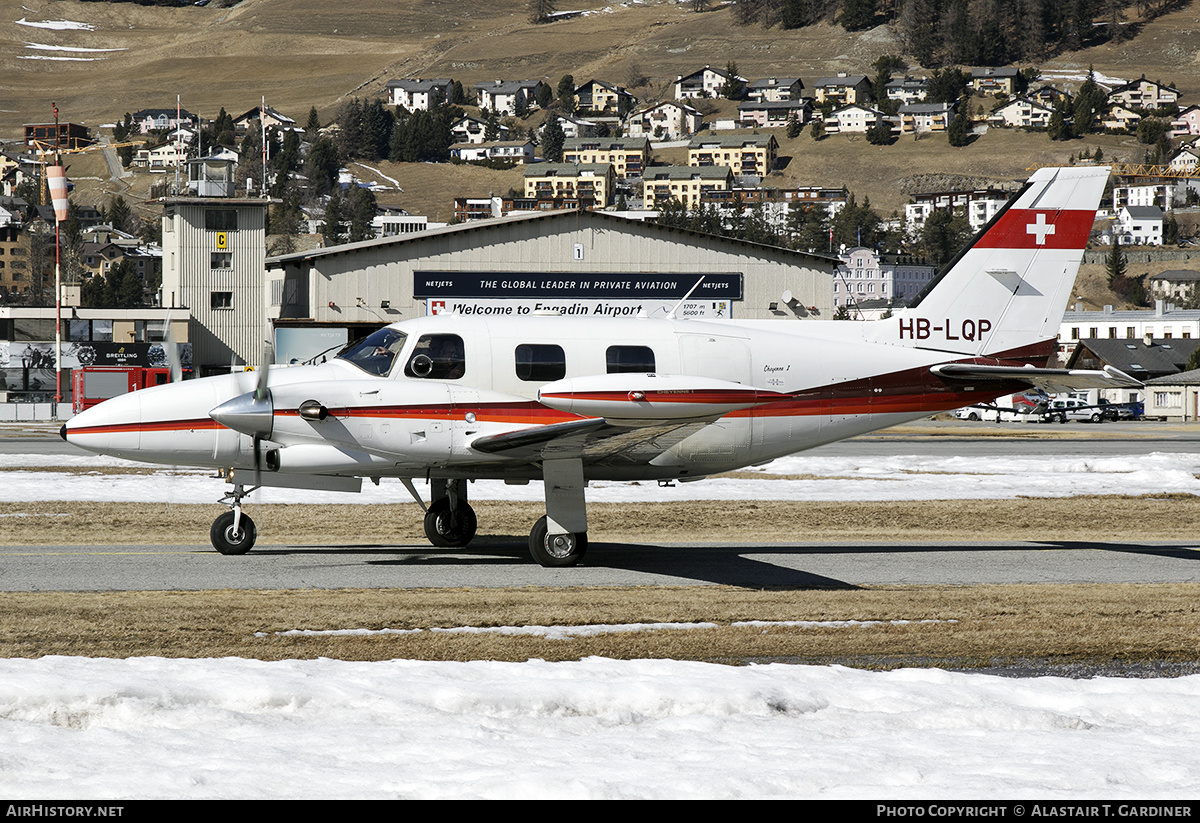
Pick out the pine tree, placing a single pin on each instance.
(1116, 263)
(959, 133)
(331, 231)
(552, 140)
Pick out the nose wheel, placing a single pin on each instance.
(229, 537)
(233, 532)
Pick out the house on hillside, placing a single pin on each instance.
(842, 89)
(628, 156)
(744, 154)
(1119, 117)
(907, 89)
(590, 184)
(420, 94)
(853, 119)
(148, 120)
(774, 89)
(507, 96)
(1021, 112)
(1186, 123)
(1144, 94)
(1176, 284)
(596, 98)
(515, 151)
(665, 121)
(774, 115)
(706, 82)
(1140, 225)
(994, 79)
(473, 129)
(925, 118)
(259, 117)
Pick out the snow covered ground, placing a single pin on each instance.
(77, 728)
(800, 477)
(157, 728)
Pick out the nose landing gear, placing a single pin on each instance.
(234, 532)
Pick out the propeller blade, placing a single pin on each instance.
(173, 362)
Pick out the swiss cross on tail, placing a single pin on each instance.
(1040, 229)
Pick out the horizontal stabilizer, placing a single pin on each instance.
(1051, 380)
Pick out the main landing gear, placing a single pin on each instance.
(450, 521)
(233, 532)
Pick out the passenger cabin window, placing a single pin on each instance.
(540, 362)
(629, 359)
(376, 352)
(437, 357)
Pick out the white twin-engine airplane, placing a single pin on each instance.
(568, 400)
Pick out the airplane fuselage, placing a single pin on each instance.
(827, 381)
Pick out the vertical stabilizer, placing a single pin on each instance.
(1008, 289)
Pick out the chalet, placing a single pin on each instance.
(842, 90)
(1021, 112)
(907, 89)
(259, 116)
(507, 96)
(853, 119)
(924, 118)
(1186, 123)
(665, 121)
(1140, 225)
(1173, 397)
(418, 94)
(596, 98)
(1144, 94)
(1120, 117)
(707, 82)
(1177, 284)
(516, 151)
(774, 89)
(473, 129)
(575, 126)
(774, 114)
(994, 79)
(148, 120)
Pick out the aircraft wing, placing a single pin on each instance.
(596, 440)
(1051, 380)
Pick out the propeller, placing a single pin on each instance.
(173, 363)
(252, 413)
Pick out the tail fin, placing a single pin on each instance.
(1008, 289)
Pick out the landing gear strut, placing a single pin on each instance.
(450, 521)
(560, 538)
(233, 532)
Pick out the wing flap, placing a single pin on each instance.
(1050, 380)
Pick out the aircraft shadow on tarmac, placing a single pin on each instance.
(734, 565)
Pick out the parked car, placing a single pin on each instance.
(1060, 411)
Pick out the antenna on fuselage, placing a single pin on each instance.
(675, 308)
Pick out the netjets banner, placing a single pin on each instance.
(573, 286)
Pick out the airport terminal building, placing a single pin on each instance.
(577, 262)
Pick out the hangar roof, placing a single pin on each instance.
(581, 215)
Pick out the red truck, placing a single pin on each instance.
(93, 384)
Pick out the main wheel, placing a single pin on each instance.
(226, 540)
(447, 529)
(556, 550)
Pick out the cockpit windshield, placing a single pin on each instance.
(376, 352)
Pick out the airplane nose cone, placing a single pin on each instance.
(247, 414)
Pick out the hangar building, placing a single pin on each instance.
(575, 262)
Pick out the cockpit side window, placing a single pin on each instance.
(437, 357)
(629, 359)
(540, 362)
(376, 352)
